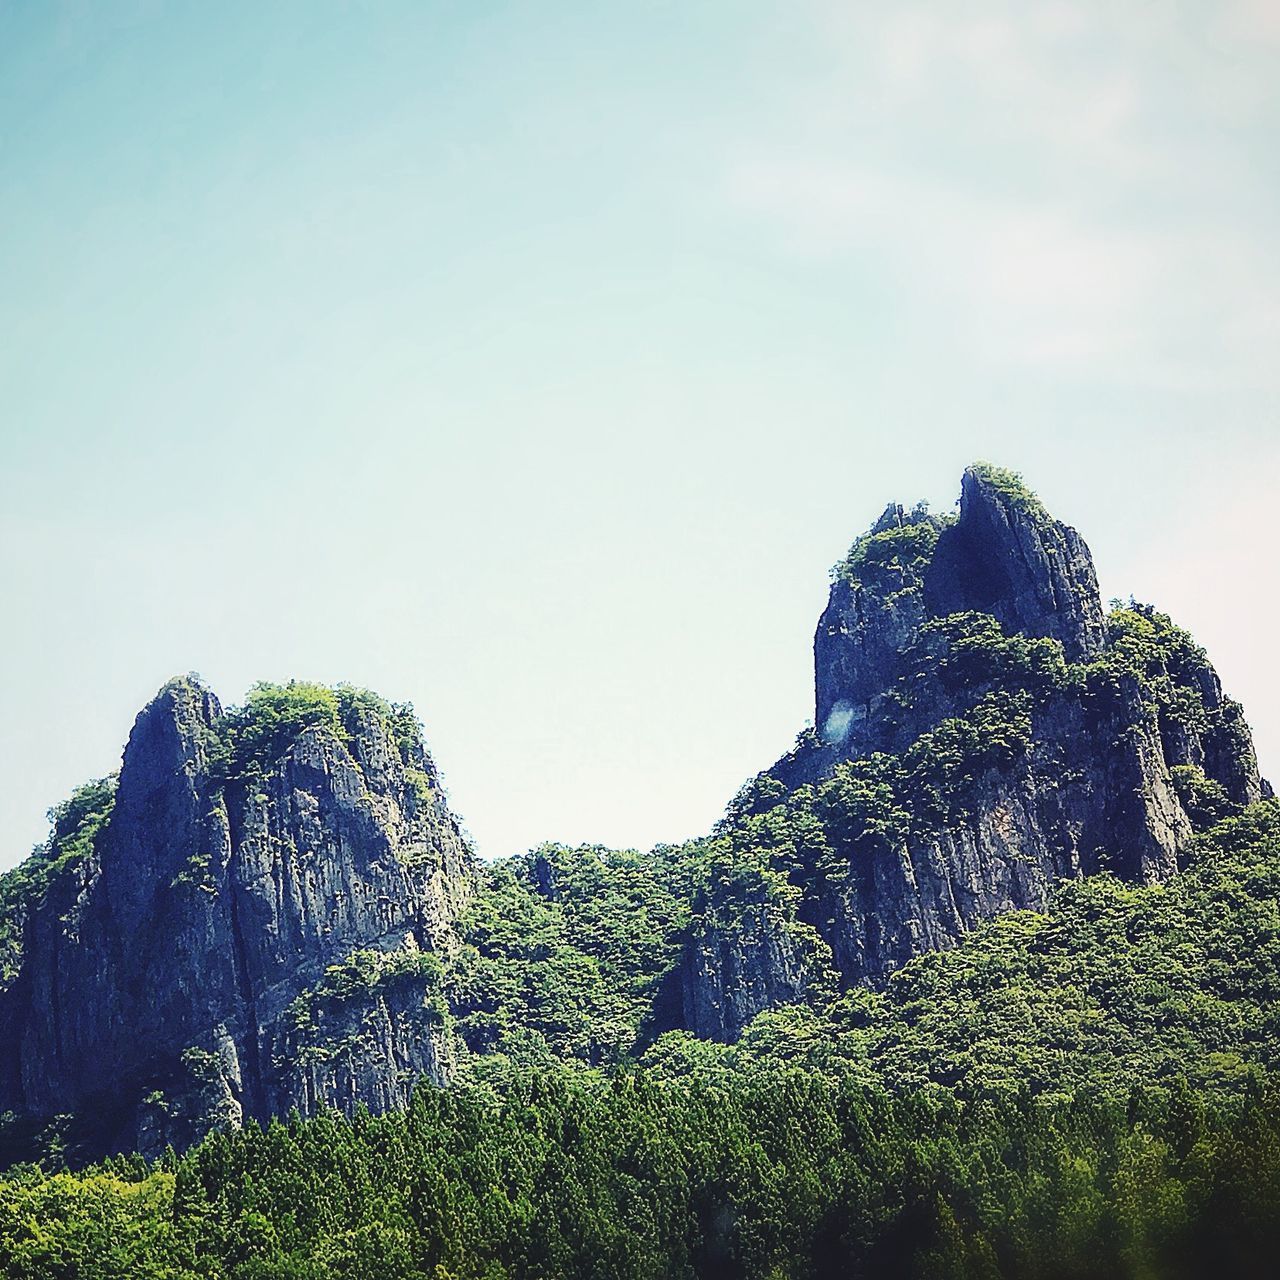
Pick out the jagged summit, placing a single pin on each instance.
(982, 730)
(1003, 555)
(1008, 557)
(273, 907)
(174, 976)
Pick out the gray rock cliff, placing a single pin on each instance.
(245, 936)
(983, 730)
(274, 908)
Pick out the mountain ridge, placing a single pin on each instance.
(983, 730)
(275, 908)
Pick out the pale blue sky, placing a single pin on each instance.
(533, 362)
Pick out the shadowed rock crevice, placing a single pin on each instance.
(1006, 556)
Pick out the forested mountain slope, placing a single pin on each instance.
(273, 908)
(982, 732)
(1018, 1106)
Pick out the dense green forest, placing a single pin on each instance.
(1115, 985)
(1089, 1090)
(783, 1174)
(1086, 1092)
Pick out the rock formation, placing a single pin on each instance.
(238, 945)
(271, 913)
(982, 731)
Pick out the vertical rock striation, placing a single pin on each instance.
(1006, 556)
(268, 910)
(179, 976)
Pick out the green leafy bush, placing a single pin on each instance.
(251, 738)
(893, 559)
(363, 974)
(273, 715)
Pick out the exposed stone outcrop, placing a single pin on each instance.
(733, 970)
(161, 975)
(269, 916)
(1008, 557)
(1004, 555)
(874, 612)
(943, 636)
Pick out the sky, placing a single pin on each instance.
(534, 363)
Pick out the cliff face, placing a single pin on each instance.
(983, 730)
(1007, 557)
(275, 908)
(241, 939)
(732, 969)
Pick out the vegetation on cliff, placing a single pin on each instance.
(1112, 985)
(827, 1039)
(75, 825)
(253, 736)
(1085, 1093)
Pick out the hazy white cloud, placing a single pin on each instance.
(1029, 283)
(1254, 19)
(1059, 185)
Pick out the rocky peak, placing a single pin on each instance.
(1007, 556)
(874, 611)
(180, 975)
(272, 914)
(1003, 555)
(160, 802)
(982, 731)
